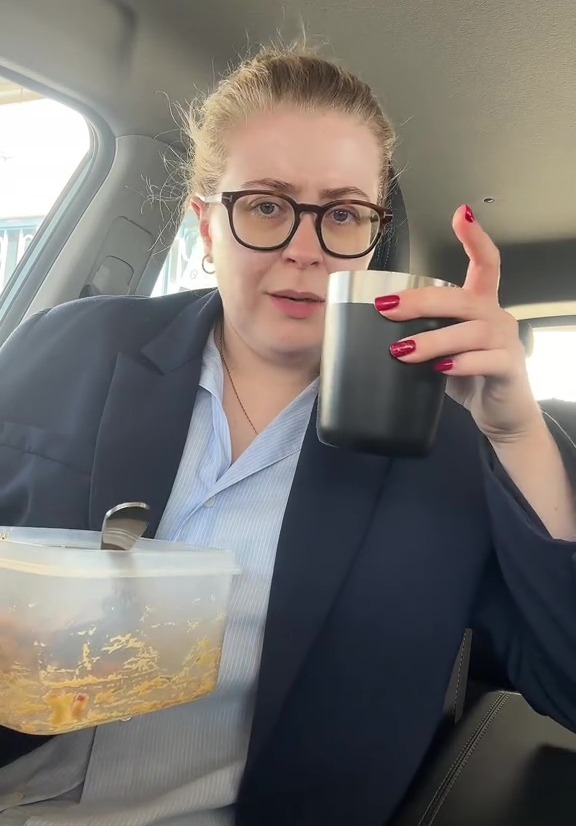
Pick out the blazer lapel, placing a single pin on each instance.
(147, 414)
(330, 505)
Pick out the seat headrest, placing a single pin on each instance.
(392, 252)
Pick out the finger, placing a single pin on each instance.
(483, 275)
(497, 364)
(434, 302)
(459, 338)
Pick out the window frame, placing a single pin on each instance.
(58, 224)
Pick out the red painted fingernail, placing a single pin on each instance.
(469, 215)
(444, 366)
(402, 348)
(386, 302)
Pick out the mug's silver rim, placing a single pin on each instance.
(364, 286)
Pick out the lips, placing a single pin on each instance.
(293, 295)
(297, 305)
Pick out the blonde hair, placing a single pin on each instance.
(294, 76)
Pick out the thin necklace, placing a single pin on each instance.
(221, 349)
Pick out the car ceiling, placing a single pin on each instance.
(482, 94)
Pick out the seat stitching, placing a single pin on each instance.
(494, 708)
(460, 661)
(487, 724)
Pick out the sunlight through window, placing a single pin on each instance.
(552, 365)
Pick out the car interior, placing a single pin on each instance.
(482, 95)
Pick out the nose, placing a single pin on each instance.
(304, 249)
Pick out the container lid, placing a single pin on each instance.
(77, 554)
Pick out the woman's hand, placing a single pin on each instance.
(486, 364)
(482, 354)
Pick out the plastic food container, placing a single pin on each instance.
(90, 636)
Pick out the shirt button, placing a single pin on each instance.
(209, 503)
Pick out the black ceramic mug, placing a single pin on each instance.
(369, 401)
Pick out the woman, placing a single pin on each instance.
(360, 574)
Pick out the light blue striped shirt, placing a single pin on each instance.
(183, 766)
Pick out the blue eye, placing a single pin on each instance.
(343, 215)
(266, 208)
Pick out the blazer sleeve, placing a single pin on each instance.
(526, 606)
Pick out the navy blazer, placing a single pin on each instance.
(380, 566)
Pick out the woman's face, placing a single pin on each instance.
(315, 158)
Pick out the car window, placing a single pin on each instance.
(552, 364)
(42, 143)
(182, 269)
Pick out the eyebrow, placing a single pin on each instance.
(286, 188)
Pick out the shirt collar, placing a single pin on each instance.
(212, 374)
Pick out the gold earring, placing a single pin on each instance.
(206, 260)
